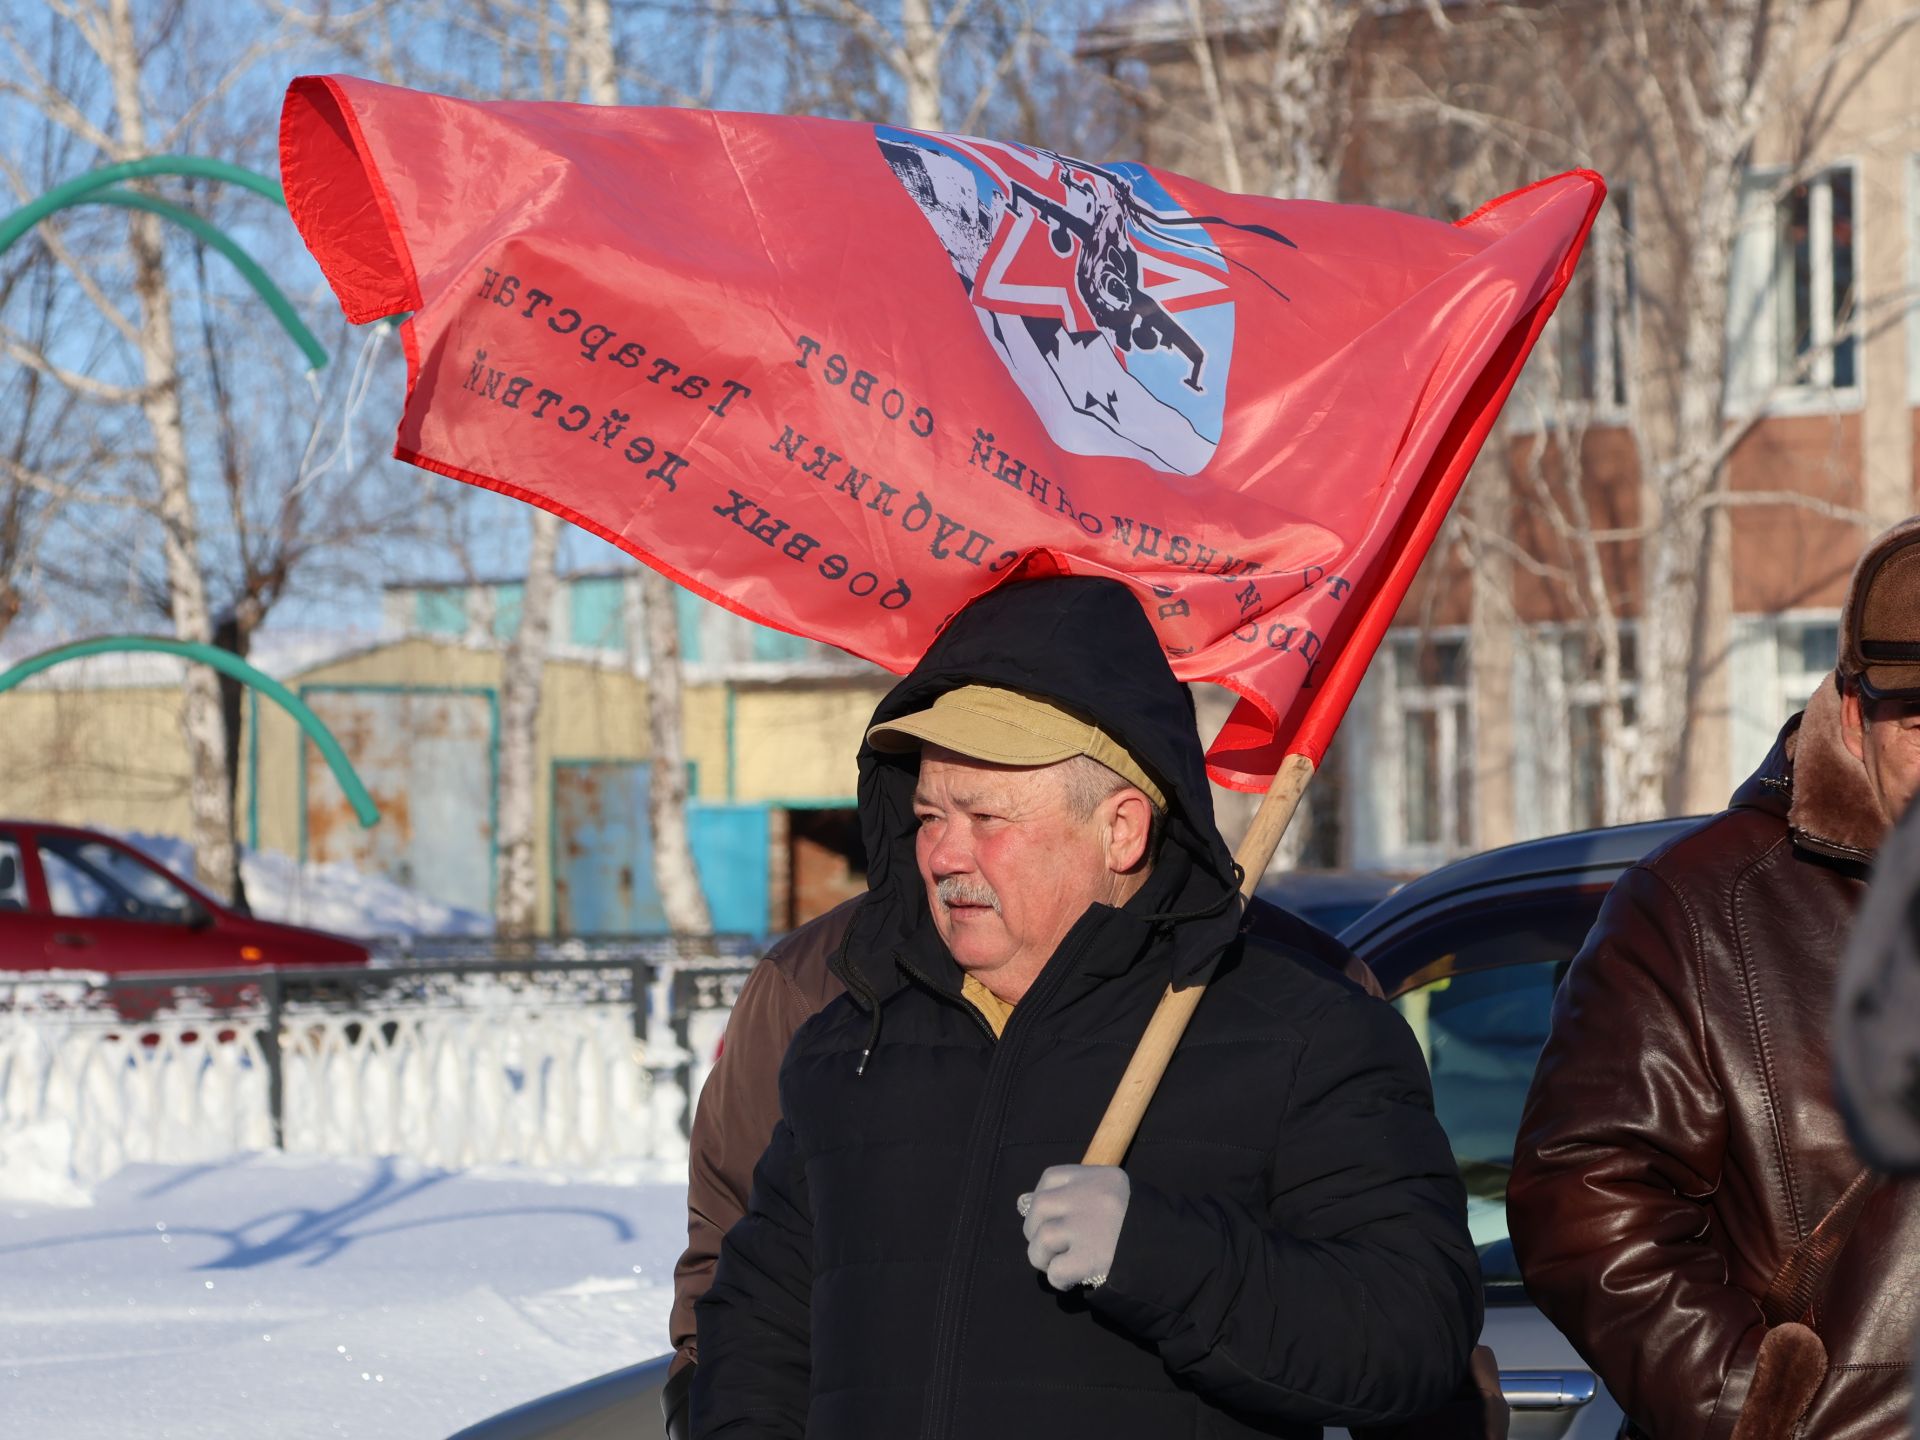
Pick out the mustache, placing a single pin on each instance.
(955, 891)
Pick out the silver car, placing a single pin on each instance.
(1471, 955)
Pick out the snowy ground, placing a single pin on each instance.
(329, 897)
(303, 1298)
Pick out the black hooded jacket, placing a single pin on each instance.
(1295, 1249)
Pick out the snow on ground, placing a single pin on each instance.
(263, 1295)
(332, 896)
(339, 898)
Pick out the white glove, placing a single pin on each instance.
(1073, 1222)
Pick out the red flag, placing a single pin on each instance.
(843, 378)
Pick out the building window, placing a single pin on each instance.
(1790, 319)
(509, 601)
(1592, 328)
(1580, 371)
(597, 612)
(1808, 650)
(440, 612)
(1593, 767)
(689, 610)
(1436, 746)
(779, 646)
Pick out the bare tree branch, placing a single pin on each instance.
(85, 386)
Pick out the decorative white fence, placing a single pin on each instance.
(556, 1063)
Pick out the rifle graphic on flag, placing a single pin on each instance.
(844, 378)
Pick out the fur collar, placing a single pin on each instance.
(1833, 810)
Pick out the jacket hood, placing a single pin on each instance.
(1816, 785)
(1083, 643)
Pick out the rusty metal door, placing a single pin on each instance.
(428, 757)
(603, 854)
(603, 850)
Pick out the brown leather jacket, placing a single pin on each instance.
(1681, 1135)
(740, 1102)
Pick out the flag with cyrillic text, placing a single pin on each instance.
(843, 378)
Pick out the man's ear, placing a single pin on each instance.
(1853, 723)
(1129, 820)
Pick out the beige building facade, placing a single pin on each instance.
(770, 751)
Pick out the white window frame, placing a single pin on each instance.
(1793, 687)
(1532, 410)
(1754, 385)
(1586, 691)
(1452, 707)
(1767, 683)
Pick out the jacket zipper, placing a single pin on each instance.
(925, 982)
(956, 1285)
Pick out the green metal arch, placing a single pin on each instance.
(100, 186)
(71, 192)
(227, 663)
(248, 267)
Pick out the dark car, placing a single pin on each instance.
(74, 899)
(1331, 899)
(1471, 955)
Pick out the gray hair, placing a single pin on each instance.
(1087, 782)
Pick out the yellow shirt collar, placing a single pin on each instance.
(987, 1003)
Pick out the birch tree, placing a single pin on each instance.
(1676, 101)
(120, 131)
(675, 875)
(920, 63)
(199, 474)
(1702, 80)
(568, 51)
(41, 466)
(542, 49)
(1283, 128)
(1254, 98)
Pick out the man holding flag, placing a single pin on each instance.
(854, 382)
(1286, 1245)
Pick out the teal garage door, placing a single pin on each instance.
(603, 854)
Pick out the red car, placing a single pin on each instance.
(78, 900)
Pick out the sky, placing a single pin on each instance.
(669, 55)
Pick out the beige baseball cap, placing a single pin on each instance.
(1005, 727)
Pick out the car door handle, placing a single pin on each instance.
(1547, 1389)
(71, 940)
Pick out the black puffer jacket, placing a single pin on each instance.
(1295, 1250)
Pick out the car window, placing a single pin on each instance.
(88, 879)
(13, 880)
(1481, 1022)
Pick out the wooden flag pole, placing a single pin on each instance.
(1176, 1007)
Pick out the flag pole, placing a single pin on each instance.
(1176, 1007)
(1150, 1058)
